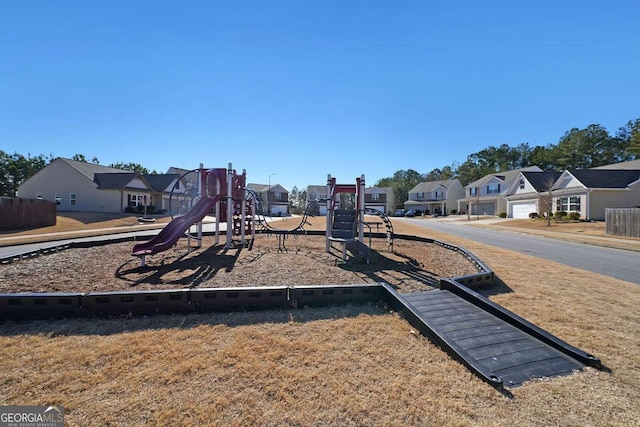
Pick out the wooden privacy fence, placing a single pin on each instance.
(17, 213)
(623, 222)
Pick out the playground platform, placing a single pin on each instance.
(499, 351)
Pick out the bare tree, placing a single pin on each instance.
(547, 198)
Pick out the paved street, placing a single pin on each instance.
(621, 264)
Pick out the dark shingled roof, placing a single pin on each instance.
(160, 182)
(114, 181)
(606, 178)
(541, 180)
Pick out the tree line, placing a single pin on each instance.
(578, 148)
(590, 147)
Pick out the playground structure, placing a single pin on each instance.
(219, 189)
(224, 192)
(346, 224)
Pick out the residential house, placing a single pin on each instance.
(435, 197)
(317, 193)
(380, 198)
(591, 191)
(530, 193)
(487, 195)
(274, 199)
(87, 187)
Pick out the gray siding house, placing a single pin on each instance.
(435, 197)
(380, 198)
(590, 191)
(274, 199)
(530, 193)
(487, 195)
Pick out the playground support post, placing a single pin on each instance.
(200, 183)
(243, 209)
(218, 213)
(252, 209)
(360, 202)
(329, 213)
(229, 205)
(199, 191)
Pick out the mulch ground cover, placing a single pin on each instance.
(413, 265)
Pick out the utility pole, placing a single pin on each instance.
(269, 195)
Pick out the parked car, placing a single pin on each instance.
(399, 212)
(413, 212)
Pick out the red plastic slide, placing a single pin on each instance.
(176, 228)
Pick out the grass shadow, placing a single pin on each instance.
(126, 324)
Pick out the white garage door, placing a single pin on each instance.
(378, 208)
(278, 210)
(522, 210)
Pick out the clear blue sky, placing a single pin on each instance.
(301, 89)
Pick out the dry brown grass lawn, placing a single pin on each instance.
(583, 227)
(80, 224)
(334, 366)
(79, 221)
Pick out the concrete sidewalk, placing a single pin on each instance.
(14, 245)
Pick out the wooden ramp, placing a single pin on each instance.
(500, 351)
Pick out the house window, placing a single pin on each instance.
(58, 198)
(493, 188)
(375, 196)
(420, 196)
(73, 199)
(278, 195)
(473, 191)
(568, 204)
(136, 200)
(39, 196)
(522, 183)
(438, 195)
